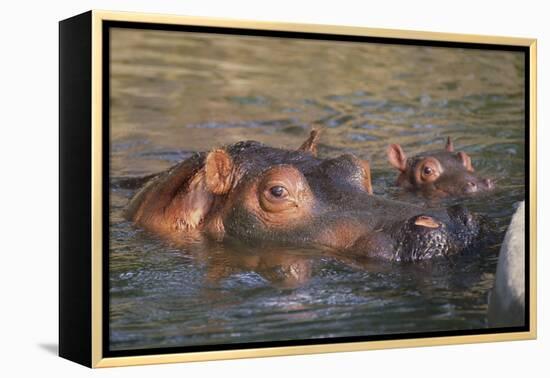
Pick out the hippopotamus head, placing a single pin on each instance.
(264, 195)
(440, 174)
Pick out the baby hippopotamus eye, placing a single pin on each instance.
(429, 171)
(278, 191)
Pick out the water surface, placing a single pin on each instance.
(175, 93)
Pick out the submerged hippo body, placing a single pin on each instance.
(263, 196)
(437, 174)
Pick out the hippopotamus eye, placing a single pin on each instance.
(278, 191)
(427, 171)
(283, 190)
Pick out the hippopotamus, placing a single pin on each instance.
(264, 196)
(438, 174)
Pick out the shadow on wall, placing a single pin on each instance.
(50, 348)
(507, 299)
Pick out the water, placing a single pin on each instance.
(174, 93)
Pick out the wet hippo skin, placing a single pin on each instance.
(263, 195)
(438, 174)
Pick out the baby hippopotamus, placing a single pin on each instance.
(263, 195)
(437, 174)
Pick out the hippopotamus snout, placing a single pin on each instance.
(475, 185)
(441, 234)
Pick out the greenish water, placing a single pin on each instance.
(176, 93)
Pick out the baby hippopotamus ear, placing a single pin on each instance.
(218, 171)
(466, 161)
(449, 147)
(463, 156)
(310, 145)
(397, 157)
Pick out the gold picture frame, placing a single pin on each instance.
(85, 324)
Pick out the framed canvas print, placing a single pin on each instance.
(234, 189)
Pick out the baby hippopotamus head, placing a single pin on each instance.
(264, 195)
(438, 174)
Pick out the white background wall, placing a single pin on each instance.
(28, 187)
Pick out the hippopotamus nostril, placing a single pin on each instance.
(471, 187)
(426, 221)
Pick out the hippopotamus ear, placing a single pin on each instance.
(310, 145)
(218, 171)
(397, 157)
(449, 145)
(367, 181)
(466, 161)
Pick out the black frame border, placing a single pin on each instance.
(75, 191)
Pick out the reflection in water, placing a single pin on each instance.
(176, 93)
